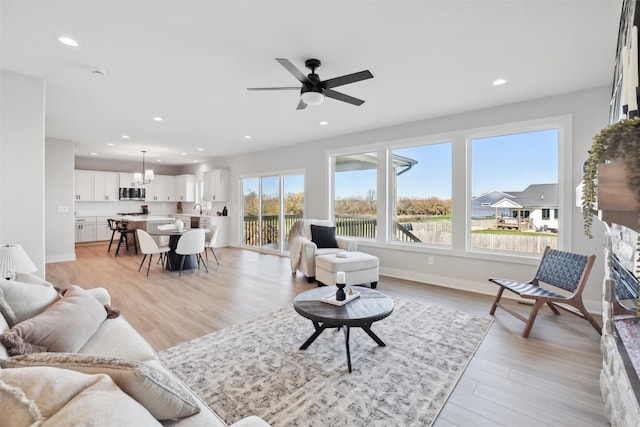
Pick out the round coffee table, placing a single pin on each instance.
(360, 312)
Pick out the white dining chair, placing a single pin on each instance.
(148, 246)
(210, 242)
(191, 243)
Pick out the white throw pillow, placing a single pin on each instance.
(163, 395)
(27, 299)
(60, 397)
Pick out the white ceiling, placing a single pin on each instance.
(190, 62)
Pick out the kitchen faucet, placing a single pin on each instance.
(198, 204)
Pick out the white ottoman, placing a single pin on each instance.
(359, 268)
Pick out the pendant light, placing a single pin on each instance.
(144, 177)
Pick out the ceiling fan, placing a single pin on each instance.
(314, 90)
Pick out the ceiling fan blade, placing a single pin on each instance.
(301, 105)
(349, 78)
(273, 88)
(293, 70)
(342, 97)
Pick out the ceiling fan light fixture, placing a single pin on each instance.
(312, 98)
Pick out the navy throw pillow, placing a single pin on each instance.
(324, 237)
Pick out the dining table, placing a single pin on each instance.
(174, 258)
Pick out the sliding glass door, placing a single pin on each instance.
(271, 204)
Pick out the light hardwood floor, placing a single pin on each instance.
(549, 379)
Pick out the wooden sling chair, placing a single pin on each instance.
(559, 269)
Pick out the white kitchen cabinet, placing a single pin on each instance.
(126, 180)
(103, 232)
(161, 189)
(184, 188)
(105, 186)
(83, 185)
(216, 185)
(85, 229)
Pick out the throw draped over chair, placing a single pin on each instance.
(303, 250)
(211, 237)
(191, 243)
(565, 271)
(148, 246)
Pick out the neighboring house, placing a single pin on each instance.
(538, 202)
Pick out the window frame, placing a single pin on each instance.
(461, 186)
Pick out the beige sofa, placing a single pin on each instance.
(114, 378)
(303, 250)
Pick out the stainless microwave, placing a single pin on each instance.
(132, 193)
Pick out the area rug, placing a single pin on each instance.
(256, 368)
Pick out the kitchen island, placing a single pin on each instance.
(145, 222)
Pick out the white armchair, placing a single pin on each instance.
(303, 251)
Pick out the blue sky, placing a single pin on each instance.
(506, 163)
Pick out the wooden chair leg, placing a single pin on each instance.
(553, 308)
(532, 318)
(587, 316)
(496, 301)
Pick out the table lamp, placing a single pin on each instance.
(13, 259)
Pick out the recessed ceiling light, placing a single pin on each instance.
(183, 154)
(94, 154)
(68, 41)
(125, 137)
(110, 144)
(158, 160)
(323, 123)
(247, 137)
(499, 82)
(195, 161)
(157, 119)
(200, 149)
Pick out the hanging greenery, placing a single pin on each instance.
(618, 141)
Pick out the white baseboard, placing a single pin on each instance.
(60, 258)
(478, 287)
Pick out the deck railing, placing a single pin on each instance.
(365, 227)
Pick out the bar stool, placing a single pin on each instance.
(113, 226)
(124, 232)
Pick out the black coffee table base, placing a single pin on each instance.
(320, 327)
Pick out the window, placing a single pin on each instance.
(421, 183)
(517, 174)
(355, 198)
(505, 182)
(271, 204)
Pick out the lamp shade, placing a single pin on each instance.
(13, 259)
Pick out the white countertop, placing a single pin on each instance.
(146, 218)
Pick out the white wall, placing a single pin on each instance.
(22, 164)
(589, 111)
(58, 201)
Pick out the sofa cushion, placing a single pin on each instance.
(51, 397)
(117, 338)
(27, 299)
(65, 326)
(5, 309)
(323, 237)
(163, 395)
